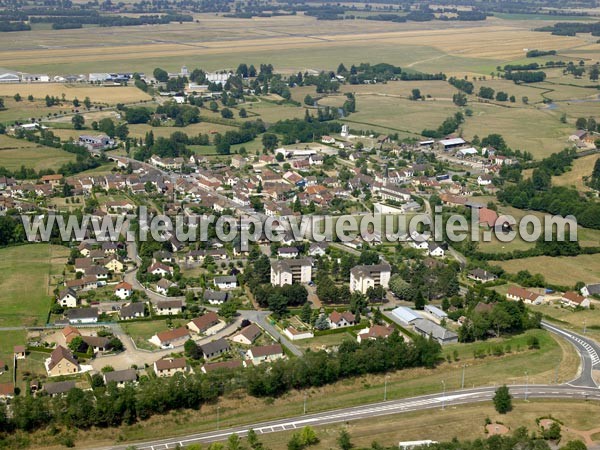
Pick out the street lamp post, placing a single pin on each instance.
(584, 327)
(462, 383)
(444, 395)
(526, 385)
(218, 417)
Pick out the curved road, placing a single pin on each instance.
(433, 401)
(583, 387)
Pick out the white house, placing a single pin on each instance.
(67, 298)
(123, 290)
(296, 335)
(484, 180)
(226, 282)
(340, 320)
(265, 353)
(573, 300)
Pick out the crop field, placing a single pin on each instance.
(25, 276)
(561, 270)
(293, 43)
(15, 153)
(140, 130)
(100, 94)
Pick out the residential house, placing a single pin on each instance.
(297, 335)
(132, 311)
(435, 250)
(339, 320)
(97, 343)
(7, 391)
(170, 338)
(67, 298)
(163, 285)
(168, 307)
(248, 335)
(226, 282)
(52, 180)
(265, 353)
(123, 290)
(120, 377)
(288, 252)
(202, 324)
(517, 293)
(215, 348)
(160, 269)
(364, 277)
(289, 271)
(374, 332)
(573, 300)
(19, 352)
(590, 289)
(485, 179)
(168, 367)
(58, 388)
(215, 297)
(61, 362)
(481, 275)
(82, 315)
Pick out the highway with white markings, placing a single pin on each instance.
(583, 387)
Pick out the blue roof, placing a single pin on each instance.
(405, 314)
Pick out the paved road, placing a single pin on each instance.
(425, 402)
(588, 350)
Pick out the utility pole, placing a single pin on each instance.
(462, 383)
(385, 388)
(444, 395)
(218, 417)
(584, 327)
(526, 385)
(556, 375)
(304, 402)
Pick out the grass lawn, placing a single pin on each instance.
(8, 339)
(322, 342)
(27, 278)
(140, 332)
(574, 320)
(15, 153)
(561, 270)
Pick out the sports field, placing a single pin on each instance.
(15, 153)
(28, 274)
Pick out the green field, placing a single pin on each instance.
(15, 153)
(8, 339)
(560, 270)
(140, 332)
(27, 274)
